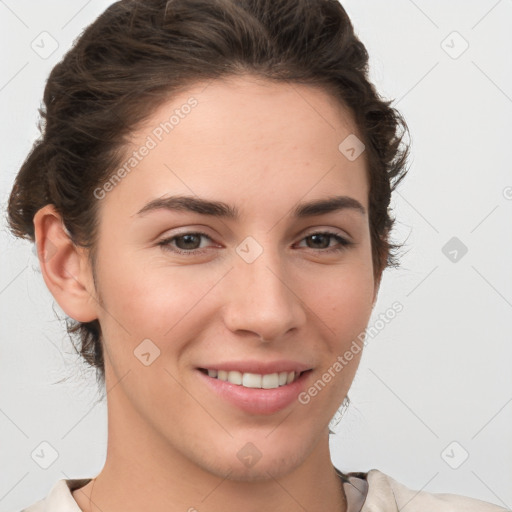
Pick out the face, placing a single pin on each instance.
(259, 289)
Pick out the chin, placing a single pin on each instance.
(262, 470)
(257, 458)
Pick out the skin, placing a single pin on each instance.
(172, 443)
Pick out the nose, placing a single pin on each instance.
(260, 298)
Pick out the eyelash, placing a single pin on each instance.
(166, 243)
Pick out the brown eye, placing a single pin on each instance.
(184, 243)
(321, 240)
(188, 241)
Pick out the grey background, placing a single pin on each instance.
(434, 385)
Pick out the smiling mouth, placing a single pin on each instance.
(254, 380)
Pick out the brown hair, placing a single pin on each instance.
(139, 52)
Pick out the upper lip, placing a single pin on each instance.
(259, 367)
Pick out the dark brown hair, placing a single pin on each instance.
(139, 52)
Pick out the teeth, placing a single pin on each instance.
(254, 380)
(251, 380)
(270, 381)
(235, 377)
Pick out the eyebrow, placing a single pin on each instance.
(223, 210)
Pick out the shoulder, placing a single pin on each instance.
(386, 494)
(59, 499)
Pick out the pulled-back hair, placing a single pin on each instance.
(139, 53)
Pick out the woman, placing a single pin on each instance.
(210, 204)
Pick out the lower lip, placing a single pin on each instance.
(256, 400)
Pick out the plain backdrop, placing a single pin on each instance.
(432, 399)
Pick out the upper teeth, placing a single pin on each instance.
(254, 380)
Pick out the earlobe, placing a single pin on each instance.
(64, 266)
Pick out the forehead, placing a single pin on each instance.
(249, 108)
(246, 139)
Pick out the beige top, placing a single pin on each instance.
(373, 491)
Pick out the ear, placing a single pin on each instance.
(64, 266)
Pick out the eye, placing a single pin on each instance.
(321, 237)
(186, 243)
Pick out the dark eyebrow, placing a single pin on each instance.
(223, 210)
(191, 204)
(328, 205)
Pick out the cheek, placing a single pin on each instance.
(151, 299)
(343, 299)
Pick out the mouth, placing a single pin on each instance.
(240, 384)
(254, 380)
